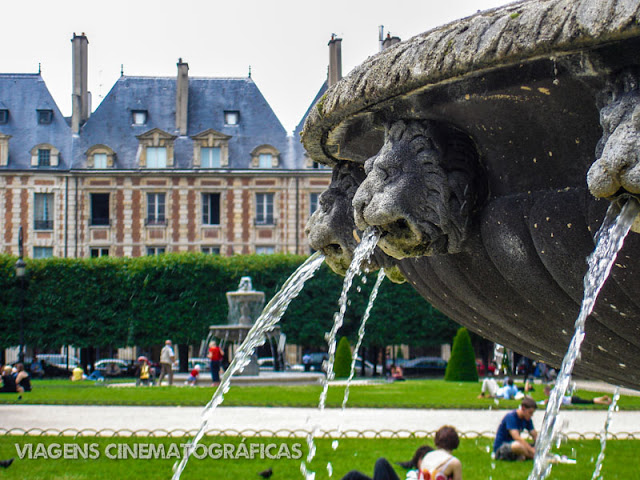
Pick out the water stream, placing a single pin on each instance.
(603, 436)
(269, 317)
(609, 240)
(362, 252)
(361, 330)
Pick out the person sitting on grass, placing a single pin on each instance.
(23, 380)
(8, 381)
(384, 471)
(508, 392)
(78, 374)
(576, 400)
(397, 374)
(509, 445)
(440, 464)
(143, 371)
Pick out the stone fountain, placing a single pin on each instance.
(486, 152)
(245, 306)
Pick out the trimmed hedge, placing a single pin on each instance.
(342, 363)
(144, 300)
(462, 364)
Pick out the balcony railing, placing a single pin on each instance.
(155, 222)
(98, 221)
(43, 224)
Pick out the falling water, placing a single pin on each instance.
(609, 240)
(605, 430)
(361, 330)
(269, 317)
(363, 324)
(362, 252)
(360, 255)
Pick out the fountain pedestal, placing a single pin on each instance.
(245, 306)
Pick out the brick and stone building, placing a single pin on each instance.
(162, 165)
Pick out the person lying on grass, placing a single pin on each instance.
(576, 400)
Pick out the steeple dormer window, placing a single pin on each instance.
(265, 156)
(155, 149)
(45, 155)
(100, 156)
(210, 149)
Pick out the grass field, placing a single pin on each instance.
(620, 462)
(409, 394)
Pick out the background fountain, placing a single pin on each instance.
(481, 150)
(245, 306)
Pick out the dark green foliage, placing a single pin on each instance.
(462, 365)
(142, 301)
(342, 364)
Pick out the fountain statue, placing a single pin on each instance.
(245, 306)
(486, 153)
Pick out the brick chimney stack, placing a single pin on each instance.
(80, 96)
(335, 60)
(182, 97)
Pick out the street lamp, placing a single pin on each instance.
(21, 270)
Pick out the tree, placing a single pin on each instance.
(342, 364)
(462, 365)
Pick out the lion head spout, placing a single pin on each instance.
(421, 189)
(332, 230)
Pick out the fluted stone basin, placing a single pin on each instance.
(487, 151)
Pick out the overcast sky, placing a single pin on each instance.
(284, 41)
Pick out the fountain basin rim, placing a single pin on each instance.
(454, 52)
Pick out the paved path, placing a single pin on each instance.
(73, 418)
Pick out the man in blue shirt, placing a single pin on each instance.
(509, 445)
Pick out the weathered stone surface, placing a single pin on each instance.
(489, 39)
(527, 85)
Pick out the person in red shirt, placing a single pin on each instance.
(215, 356)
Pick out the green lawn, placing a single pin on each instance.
(409, 394)
(359, 454)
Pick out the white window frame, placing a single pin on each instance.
(156, 208)
(155, 159)
(265, 214)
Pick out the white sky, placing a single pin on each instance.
(284, 41)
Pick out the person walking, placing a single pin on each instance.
(215, 357)
(167, 357)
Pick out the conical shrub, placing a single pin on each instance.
(462, 365)
(342, 364)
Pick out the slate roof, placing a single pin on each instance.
(299, 147)
(209, 98)
(111, 123)
(23, 94)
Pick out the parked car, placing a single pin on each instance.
(58, 360)
(368, 367)
(315, 361)
(267, 363)
(424, 367)
(115, 367)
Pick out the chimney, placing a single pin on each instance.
(389, 41)
(80, 94)
(335, 60)
(182, 97)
